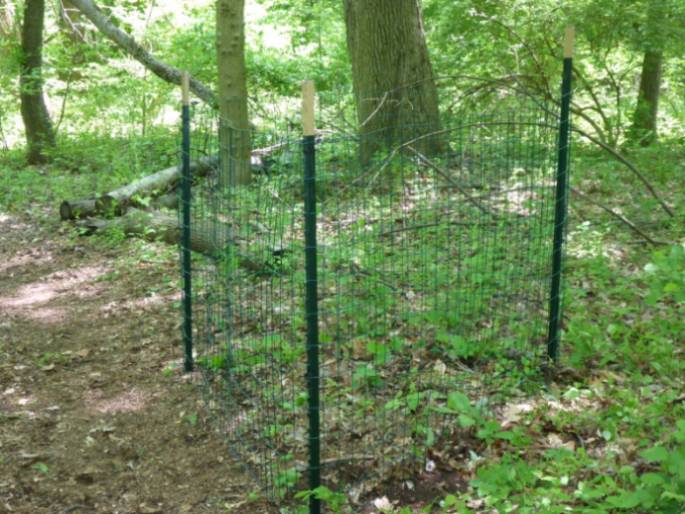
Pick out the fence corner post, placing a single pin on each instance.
(311, 300)
(186, 180)
(561, 199)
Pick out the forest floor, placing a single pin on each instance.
(95, 414)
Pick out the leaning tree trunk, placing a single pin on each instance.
(644, 128)
(392, 74)
(34, 112)
(105, 24)
(234, 129)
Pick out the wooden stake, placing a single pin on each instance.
(568, 42)
(185, 88)
(308, 125)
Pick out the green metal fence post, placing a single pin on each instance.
(311, 300)
(561, 200)
(186, 179)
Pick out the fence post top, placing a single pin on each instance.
(308, 125)
(569, 36)
(185, 88)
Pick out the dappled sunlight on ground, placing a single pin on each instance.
(34, 258)
(133, 400)
(147, 302)
(29, 300)
(82, 389)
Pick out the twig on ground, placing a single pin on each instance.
(449, 179)
(630, 166)
(340, 460)
(620, 217)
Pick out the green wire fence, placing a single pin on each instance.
(343, 300)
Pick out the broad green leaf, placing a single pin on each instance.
(459, 402)
(466, 421)
(655, 454)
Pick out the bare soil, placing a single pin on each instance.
(95, 413)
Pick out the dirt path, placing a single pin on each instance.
(93, 419)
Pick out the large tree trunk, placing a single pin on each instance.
(392, 74)
(234, 130)
(129, 45)
(39, 132)
(644, 128)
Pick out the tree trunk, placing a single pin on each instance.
(234, 130)
(130, 46)
(392, 74)
(644, 128)
(39, 132)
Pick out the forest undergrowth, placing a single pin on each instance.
(91, 350)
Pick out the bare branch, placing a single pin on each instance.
(630, 166)
(618, 216)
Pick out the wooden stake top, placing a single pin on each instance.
(185, 88)
(308, 125)
(568, 42)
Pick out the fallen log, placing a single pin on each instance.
(118, 201)
(77, 209)
(207, 237)
(167, 201)
(87, 208)
(159, 185)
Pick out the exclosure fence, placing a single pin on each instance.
(340, 300)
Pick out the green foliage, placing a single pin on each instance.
(666, 275)
(333, 501)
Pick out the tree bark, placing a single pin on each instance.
(39, 133)
(234, 129)
(130, 46)
(644, 128)
(392, 74)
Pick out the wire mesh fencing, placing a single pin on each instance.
(434, 255)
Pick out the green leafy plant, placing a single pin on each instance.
(666, 275)
(334, 501)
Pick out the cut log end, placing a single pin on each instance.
(77, 209)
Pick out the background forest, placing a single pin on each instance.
(90, 102)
